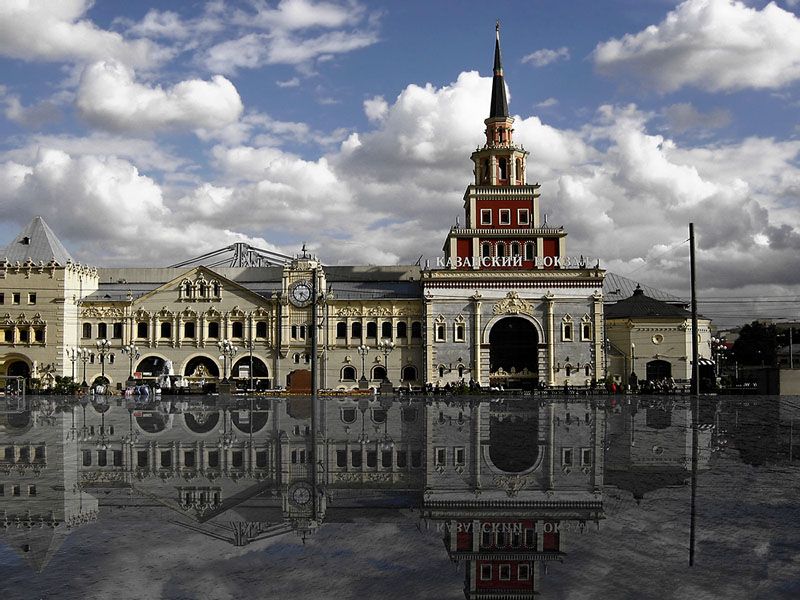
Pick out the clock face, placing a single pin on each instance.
(301, 494)
(300, 294)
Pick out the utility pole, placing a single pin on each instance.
(695, 396)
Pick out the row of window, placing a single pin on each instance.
(568, 331)
(16, 490)
(23, 453)
(186, 458)
(499, 536)
(21, 334)
(402, 459)
(16, 297)
(504, 216)
(458, 454)
(165, 330)
(459, 332)
(567, 457)
(199, 290)
(387, 330)
(408, 414)
(504, 572)
(503, 163)
(512, 249)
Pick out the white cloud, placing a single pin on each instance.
(53, 30)
(290, 15)
(110, 97)
(34, 115)
(546, 56)
(376, 108)
(547, 103)
(288, 83)
(157, 23)
(715, 45)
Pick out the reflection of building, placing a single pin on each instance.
(653, 338)
(509, 307)
(40, 502)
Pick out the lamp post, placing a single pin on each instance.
(133, 354)
(84, 354)
(72, 354)
(363, 351)
(228, 352)
(103, 349)
(386, 346)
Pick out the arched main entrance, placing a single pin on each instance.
(658, 369)
(514, 353)
(241, 370)
(18, 368)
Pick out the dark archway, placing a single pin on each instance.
(658, 369)
(200, 367)
(260, 371)
(514, 442)
(200, 421)
(514, 349)
(150, 366)
(18, 368)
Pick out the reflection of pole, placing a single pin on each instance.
(314, 383)
(695, 397)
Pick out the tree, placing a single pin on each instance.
(757, 344)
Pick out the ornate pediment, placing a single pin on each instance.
(512, 304)
(379, 311)
(349, 311)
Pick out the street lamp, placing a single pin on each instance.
(133, 354)
(73, 354)
(228, 352)
(103, 349)
(386, 346)
(363, 351)
(84, 354)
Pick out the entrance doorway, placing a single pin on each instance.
(514, 353)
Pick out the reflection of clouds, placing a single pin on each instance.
(748, 542)
(141, 555)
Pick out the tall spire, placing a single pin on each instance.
(499, 106)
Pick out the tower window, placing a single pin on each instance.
(505, 216)
(530, 251)
(486, 216)
(486, 572)
(515, 249)
(523, 216)
(486, 249)
(502, 166)
(501, 249)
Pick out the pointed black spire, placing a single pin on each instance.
(499, 106)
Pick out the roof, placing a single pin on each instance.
(499, 104)
(616, 287)
(36, 242)
(641, 305)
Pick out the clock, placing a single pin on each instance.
(300, 294)
(300, 493)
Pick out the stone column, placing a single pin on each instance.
(476, 336)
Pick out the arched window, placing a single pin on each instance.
(502, 168)
(203, 288)
(386, 329)
(402, 329)
(296, 358)
(416, 329)
(409, 373)
(102, 330)
(530, 251)
(501, 249)
(349, 415)
(217, 289)
(441, 371)
(237, 329)
(166, 329)
(355, 330)
(187, 289)
(261, 329)
(349, 373)
(372, 329)
(515, 249)
(486, 249)
(378, 373)
(86, 332)
(587, 369)
(341, 329)
(460, 370)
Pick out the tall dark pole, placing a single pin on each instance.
(314, 392)
(695, 397)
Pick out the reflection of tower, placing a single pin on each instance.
(502, 502)
(40, 501)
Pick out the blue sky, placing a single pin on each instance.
(148, 132)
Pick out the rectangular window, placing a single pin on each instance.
(486, 572)
(586, 332)
(523, 572)
(188, 330)
(523, 216)
(566, 457)
(166, 458)
(402, 459)
(341, 458)
(261, 459)
(441, 335)
(505, 216)
(213, 459)
(38, 335)
(23, 335)
(188, 459)
(117, 457)
(487, 539)
(530, 538)
(141, 330)
(386, 459)
(416, 459)
(459, 332)
(102, 458)
(372, 459)
(486, 216)
(355, 458)
(87, 458)
(2, 298)
(15, 490)
(116, 331)
(440, 457)
(237, 459)
(460, 457)
(586, 456)
(213, 329)
(31, 298)
(2, 490)
(15, 298)
(38, 453)
(566, 332)
(141, 459)
(8, 336)
(505, 572)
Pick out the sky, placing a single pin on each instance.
(150, 132)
